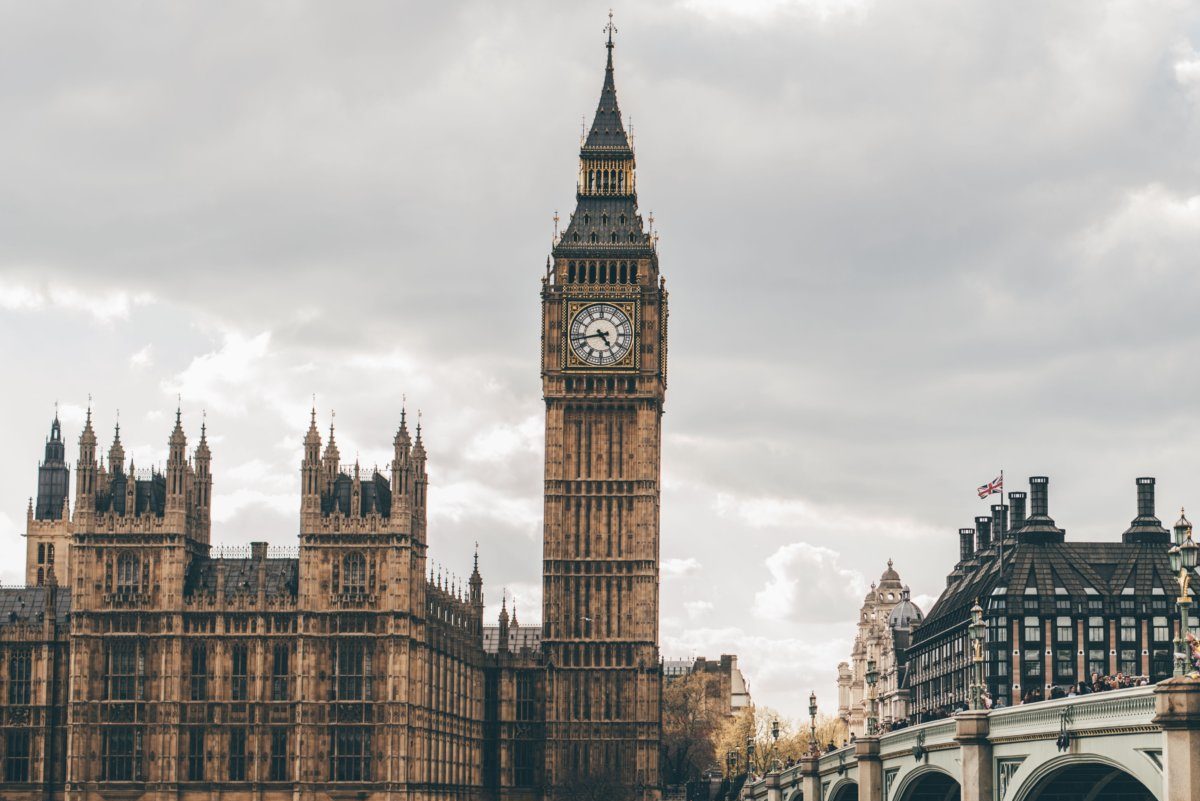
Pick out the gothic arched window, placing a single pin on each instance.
(127, 574)
(594, 238)
(354, 574)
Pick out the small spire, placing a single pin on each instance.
(178, 408)
(203, 425)
(476, 556)
(610, 29)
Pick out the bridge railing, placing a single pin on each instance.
(927, 735)
(1107, 710)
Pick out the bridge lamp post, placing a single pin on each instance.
(872, 677)
(812, 724)
(731, 759)
(774, 744)
(749, 753)
(1183, 561)
(975, 633)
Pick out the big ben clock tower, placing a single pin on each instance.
(604, 378)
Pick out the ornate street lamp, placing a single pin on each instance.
(749, 754)
(975, 632)
(872, 677)
(1183, 557)
(774, 743)
(731, 759)
(813, 748)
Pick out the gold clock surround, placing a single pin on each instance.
(572, 362)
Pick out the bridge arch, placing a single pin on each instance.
(1082, 777)
(928, 783)
(844, 790)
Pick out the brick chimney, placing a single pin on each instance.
(1017, 500)
(983, 533)
(966, 544)
(999, 521)
(1040, 527)
(1146, 527)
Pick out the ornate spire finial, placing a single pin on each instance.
(476, 556)
(610, 29)
(313, 411)
(178, 407)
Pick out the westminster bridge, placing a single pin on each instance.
(1139, 744)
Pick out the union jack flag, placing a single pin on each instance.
(992, 487)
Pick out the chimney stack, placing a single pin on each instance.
(983, 533)
(999, 521)
(966, 543)
(1017, 499)
(1040, 527)
(1039, 504)
(1146, 528)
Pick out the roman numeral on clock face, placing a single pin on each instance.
(600, 334)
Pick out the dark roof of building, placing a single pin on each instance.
(26, 605)
(282, 576)
(1078, 570)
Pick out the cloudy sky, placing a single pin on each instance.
(908, 244)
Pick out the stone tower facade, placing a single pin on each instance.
(48, 521)
(604, 379)
(885, 624)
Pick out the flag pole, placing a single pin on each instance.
(1004, 503)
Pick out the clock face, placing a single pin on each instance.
(601, 334)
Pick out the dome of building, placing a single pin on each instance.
(890, 575)
(905, 613)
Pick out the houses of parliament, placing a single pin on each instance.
(141, 661)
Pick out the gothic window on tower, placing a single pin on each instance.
(350, 754)
(128, 574)
(237, 755)
(199, 674)
(125, 671)
(353, 672)
(195, 754)
(277, 770)
(354, 574)
(239, 674)
(20, 672)
(523, 763)
(122, 753)
(279, 672)
(17, 755)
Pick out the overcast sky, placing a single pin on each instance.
(908, 244)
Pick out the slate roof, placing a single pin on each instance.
(1105, 568)
(607, 135)
(26, 605)
(241, 576)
